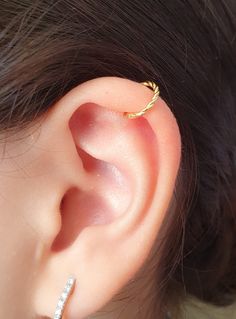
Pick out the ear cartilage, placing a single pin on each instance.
(156, 91)
(66, 293)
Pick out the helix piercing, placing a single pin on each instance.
(66, 293)
(156, 91)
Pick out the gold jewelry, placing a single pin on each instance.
(69, 287)
(156, 91)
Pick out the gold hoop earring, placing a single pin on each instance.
(156, 91)
(66, 293)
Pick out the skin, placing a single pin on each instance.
(116, 178)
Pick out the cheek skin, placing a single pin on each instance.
(19, 241)
(18, 258)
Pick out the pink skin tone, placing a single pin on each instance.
(116, 178)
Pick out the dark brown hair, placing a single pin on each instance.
(189, 48)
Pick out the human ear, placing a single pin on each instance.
(113, 179)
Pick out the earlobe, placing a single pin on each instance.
(114, 211)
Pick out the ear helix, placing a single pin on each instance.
(70, 284)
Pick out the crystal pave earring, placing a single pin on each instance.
(66, 293)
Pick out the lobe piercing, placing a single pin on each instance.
(66, 293)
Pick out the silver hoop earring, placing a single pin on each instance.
(66, 293)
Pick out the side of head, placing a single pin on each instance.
(142, 207)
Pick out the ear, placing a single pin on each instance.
(113, 179)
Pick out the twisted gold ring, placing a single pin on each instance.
(156, 91)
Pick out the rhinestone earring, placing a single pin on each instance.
(66, 293)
